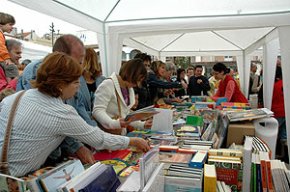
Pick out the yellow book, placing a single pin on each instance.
(210, 178)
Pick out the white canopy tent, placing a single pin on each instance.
(185, 28)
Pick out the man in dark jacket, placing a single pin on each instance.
(198, 84)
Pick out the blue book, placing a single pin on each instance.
(105, 182)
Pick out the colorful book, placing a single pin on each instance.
(210, 178)
(51, 180)
(228, 171)
(106, 154)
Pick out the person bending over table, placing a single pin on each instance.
(115, 97)
(43, 120)
(228, 87)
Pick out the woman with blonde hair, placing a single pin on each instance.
(155, 81)
(92, 73)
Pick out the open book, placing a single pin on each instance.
(141, 114)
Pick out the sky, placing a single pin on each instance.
(28, 20)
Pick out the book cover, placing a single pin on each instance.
(106, 154)
(228, 171)
(141, 114)
(118, 164)
(210, 178)
(52, 179)
(175, 157)
(105, 182)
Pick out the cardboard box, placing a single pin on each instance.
(237, 131)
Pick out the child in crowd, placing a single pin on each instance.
(6, 25)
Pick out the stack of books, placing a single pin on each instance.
(228, 165)
(234, 116)
(181, 177)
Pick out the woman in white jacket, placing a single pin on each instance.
(115, 97)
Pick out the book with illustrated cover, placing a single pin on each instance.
(249, 114)
(141, 114)
(51, 180)
(229, 171)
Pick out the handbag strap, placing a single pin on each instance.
(4, 158)
(118, 98)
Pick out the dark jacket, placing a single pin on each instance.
(196, 89)
(154, 82)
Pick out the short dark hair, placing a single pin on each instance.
(133, 71)
(179, 71)
(219, 67)
(143, 56)
(198, 66)
(6, 18)
(65, 43)
(278, 75)
(56, 70)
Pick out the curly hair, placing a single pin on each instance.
(58, 69)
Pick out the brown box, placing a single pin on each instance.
(237, 131)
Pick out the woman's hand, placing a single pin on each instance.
(139, 143)
(148, 123)
(124, 123)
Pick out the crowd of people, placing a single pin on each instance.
(67, 107)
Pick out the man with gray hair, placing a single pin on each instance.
(9, 73)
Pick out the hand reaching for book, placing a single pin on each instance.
(124, 123)
(85, 155)
(139, 143)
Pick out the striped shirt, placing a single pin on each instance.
(40, 125)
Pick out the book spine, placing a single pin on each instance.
(264, 175)
(269, 176)
(229, 153)
(259, 179)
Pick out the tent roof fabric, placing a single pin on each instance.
(180, 27)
